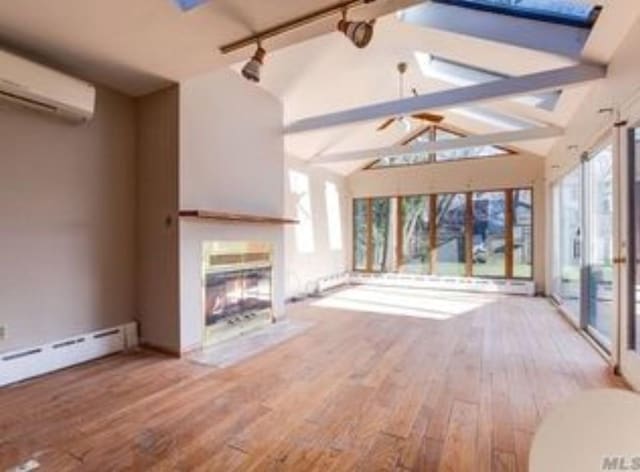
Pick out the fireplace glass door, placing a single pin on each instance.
(237, 287)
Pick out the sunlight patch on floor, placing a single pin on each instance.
(395, 301)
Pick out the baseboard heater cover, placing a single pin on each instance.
(332, 281)
(23, 364)
(505, 286)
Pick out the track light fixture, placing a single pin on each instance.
(251, 70)
(359, 32)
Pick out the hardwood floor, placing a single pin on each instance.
(449, 390)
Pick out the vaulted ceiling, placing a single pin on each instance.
(142, 45)
(137, 46)
(325, 74)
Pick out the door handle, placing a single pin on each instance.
(619, 260)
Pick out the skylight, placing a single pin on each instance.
(186, 5)
(464, 75)
(569, 12)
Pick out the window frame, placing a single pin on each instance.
(432, 157)
(433, 232)
(550, 17)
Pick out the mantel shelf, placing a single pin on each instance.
(235, 217)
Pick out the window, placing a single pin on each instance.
(360, 233)
(299, 188)
(437, 133)
(450, 241)
(464, 153)
(334, 215)
(568, 239)
(381, 234)
(568, 12)
(415, 234)
(479, 234)
(402, 160)
(523, 234)
(489, 236)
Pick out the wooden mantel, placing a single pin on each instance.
(235, 217)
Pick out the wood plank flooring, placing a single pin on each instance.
(366, 391)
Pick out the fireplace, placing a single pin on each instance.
(237, 288)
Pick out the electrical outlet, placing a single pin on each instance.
(3, 332)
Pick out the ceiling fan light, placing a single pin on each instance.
(251, 70)
(359, 33)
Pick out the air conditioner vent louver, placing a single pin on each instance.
(38, 87)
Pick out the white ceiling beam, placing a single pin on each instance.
(498, 89)
(560, 40)
(492, 139)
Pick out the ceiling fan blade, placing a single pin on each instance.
(386, 124)
(430, 117)
(415, 136)
(186, 5)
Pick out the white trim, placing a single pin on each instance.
(38, 360)
(467, 284)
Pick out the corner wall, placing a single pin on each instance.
(157, 224)
(67, 204)
(305, 267)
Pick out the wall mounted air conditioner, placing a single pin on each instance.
(32, 85)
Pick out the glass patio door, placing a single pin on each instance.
(630, 263)
(598, 273)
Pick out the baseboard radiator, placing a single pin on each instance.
(505, 286)
(31, 362)
(333, 281)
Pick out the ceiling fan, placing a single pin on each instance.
(404, 119)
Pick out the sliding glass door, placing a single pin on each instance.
(568, 243)
(599, 238)
(583, 271)
(630, 265)
(633, 329)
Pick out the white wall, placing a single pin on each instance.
(67, 238)
(231, 159)
(309, 261)
(621, 92)
(493, 173)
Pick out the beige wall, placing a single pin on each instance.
(157, 223)
(231, 159)
(482, 174)
(304, 268)
(67, 205)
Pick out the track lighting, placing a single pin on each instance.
(359, 32)
(251, 70)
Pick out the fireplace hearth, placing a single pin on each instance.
(237, 288)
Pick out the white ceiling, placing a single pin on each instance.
(327, 74)
(138, 46)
